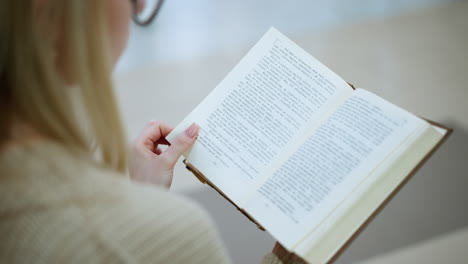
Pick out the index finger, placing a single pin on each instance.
(154, 132)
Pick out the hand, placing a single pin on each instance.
(285, 256)
(148, 163)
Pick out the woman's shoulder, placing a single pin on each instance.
(153, 224)
(73, 204)
(136, 201)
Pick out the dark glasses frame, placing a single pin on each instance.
(145, 22)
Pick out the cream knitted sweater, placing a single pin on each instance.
(58, 207)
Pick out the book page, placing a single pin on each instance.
(320, 245)
(264, 104)
(334, 159)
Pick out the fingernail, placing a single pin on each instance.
(192, 130)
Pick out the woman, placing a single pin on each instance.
(63, 194)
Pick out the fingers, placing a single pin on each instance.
(157, 151)
(163, 141)
(154, 132)
(181, 144)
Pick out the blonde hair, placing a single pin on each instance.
(34, 90)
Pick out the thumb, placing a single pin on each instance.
(181, 144)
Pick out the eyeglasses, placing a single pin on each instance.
(147, 15)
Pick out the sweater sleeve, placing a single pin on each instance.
(271, 258)
(153, 226)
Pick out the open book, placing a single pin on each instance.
(301, 152)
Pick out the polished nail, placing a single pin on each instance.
(192, 130)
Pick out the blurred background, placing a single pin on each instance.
(413, 53)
